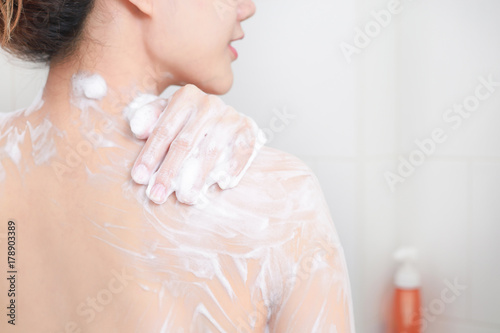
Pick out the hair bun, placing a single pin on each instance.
(42, 30)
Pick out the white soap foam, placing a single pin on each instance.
(90, 86)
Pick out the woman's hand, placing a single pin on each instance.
(194, 140)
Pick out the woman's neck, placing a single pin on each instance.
(85, 106)
(115, 54)
(76, 91)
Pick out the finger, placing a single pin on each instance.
(249, 140)
(244, 158)
(210, 153)
(169, 125)
(183, 153)
(215, 151)
(236, 156)
(138, 103)
(144, 119)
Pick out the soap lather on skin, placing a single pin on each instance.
(221, 142)
(91, 86)
(144, 113)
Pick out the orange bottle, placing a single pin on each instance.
(407, 301)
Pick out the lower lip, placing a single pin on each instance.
(234, 51)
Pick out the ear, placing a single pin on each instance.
(145, 6)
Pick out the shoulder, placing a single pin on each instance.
(278, 195)
(277, 158)
(17, 120)
(12, 124)
(281, 175)
(10, 133)
(288, 213)
(278, 167)
(9, 119)
(20, 134)
(293, 198)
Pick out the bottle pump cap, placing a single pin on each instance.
(407, 276)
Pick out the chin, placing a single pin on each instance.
(217, 86)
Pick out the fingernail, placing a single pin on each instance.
(140, 174)
(224, 181)
(158, 194)
(190, 198)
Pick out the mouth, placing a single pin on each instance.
(232, 49)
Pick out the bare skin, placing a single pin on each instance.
(94, 254)
(264, 254)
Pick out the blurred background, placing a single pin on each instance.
(395, 105)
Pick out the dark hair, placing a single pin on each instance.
(42, 30)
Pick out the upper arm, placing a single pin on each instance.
(316, 295)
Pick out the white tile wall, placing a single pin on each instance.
(28, 80)
(445, 46)
(302, 71)
(20, 82)
(376, 95)
(6, 87)
(378, 237)
(353, 120)
(433, 215)
(485, 245)
(339, 181)
(453, 326)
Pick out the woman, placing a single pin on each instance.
(93, 253)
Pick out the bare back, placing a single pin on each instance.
(93, 254)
